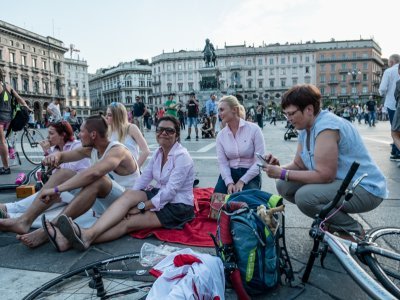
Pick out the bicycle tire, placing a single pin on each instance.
(386, 270)
(116, 276)
(30, 139)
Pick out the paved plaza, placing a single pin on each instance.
(23, 269)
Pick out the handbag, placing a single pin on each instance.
(216, 202)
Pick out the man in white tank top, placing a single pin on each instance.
(113, 169)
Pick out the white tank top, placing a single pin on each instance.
(126, 181)
(129, 142)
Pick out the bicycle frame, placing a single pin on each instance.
(343, 250)
(32, 142)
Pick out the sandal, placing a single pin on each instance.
(67, 228)
(52, 238)
(4, 171)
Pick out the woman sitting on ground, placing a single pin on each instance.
(237, 144)
(128, 134)
(168, 204)
(60, 138)
(327, 146)
(207, 129)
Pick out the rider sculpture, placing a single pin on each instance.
(209, 54)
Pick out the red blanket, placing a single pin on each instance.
(194, 233)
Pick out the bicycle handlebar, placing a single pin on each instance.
(342, 190)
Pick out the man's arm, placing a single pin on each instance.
(383, 87)
(57, 158)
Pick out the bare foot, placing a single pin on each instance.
(57, 238)
(33, 239)
(14, 225)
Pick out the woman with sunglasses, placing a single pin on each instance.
(237, 144)
(168, 204)
(128, 134)
(60, 138)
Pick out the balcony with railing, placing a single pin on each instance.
(13, 65)
(24, 67)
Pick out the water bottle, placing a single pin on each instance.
(11, 152)
(20, 178)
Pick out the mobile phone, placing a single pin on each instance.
(261, 166)
(260, 157)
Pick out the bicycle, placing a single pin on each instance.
(30, 139)
(13, 155)
(375, 250)
(104, 279)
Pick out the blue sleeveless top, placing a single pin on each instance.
(351, 148)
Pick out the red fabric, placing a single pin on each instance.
(185, 259)
(194, 233)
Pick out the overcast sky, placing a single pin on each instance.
(109, 32)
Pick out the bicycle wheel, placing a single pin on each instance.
(105, 279)
(385, 269)
(30, 145)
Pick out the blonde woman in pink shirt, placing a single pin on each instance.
(237, 144)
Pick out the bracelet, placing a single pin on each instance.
(56, 190)
(287, 175)
(283, 174)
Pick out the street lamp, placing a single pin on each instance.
(353, 75)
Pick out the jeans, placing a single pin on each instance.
(371, 118)
(236, 174)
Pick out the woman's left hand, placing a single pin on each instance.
(238, 186)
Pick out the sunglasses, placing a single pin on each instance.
(167, 130)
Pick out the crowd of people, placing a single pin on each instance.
(101, 188)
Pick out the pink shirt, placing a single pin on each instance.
(76, 166)
(239, 151)
(175, 179)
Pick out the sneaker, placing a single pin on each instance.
(4, 171)
(395, 157)
(197, 138)
(188, 138)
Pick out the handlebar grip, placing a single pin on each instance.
(349, 176)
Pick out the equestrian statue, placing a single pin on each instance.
(209, 54)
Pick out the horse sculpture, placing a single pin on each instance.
(209, 54)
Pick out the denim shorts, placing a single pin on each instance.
(192, 121)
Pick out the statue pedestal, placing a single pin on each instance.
(208, 83)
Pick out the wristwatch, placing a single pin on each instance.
(141, 207)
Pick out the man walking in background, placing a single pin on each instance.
(386, 89)
(212, 111)
(139, 110)
(193, 114)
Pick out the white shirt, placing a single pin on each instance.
(55, 112)
(388, 85)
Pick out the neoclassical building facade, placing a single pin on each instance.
(121, 83)
(264, 72)
(33, 65)
(77, 86)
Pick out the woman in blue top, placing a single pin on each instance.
(326, 149)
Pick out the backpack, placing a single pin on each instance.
(20, 116)
(258, 250)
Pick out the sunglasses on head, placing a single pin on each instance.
(167, 130)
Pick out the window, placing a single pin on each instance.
(249, 84)
(333, 78)
(307, 80)
(1, 54)
(365, 66)
(260, 61)
(190, 66)
(168, 67)
(14, 83)
(344, 66)
(190, 76)
(190, 85)
(271, 83)
(354, 90)
(322, 56)
(322, 90)
(44, 65)
(283, 71)
(12, 57)
(249, 73)
(260, 73)
(322, 68)
(179, 66)
(34, 50)
(344, 56)
(354, 66)
(294, 70)
(36, 86)
(25, 84)
(271, 61)
(283, 61)
(344, 78)
(11, 43)
(249, 62)
(260, 84)
(169, 87)
(333, 67)
(180, 87)
(180, 76)
(343, 90)
(294, 81)
(333, 56)
(168, 77)
(307, 59)
(365, 89)
(333, 91)
(294, 60)
(283, 82)
(322, 78)
(364, 77)
(45, 87)
(271, 71)
(307, 70)
(23, 60)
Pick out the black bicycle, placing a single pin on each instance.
(379, 249)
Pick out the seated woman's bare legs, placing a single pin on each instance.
(115, 222)
(23, 223)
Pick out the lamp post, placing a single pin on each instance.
(353, 75)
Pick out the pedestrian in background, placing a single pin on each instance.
(138, 112)
(212, 110)
(386, 89)
(260, 114)
(171, 106)
(193, 114)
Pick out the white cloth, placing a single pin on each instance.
(388, 85)
(204, 280)
(55, 112)
(129, 142)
